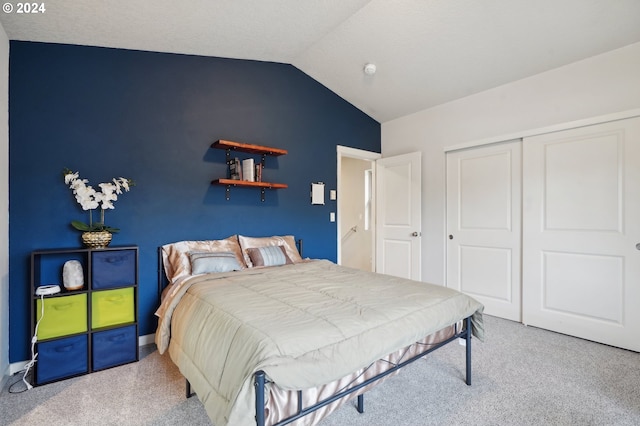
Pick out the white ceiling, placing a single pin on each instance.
(427, 51)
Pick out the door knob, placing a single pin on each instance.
(450, 237)
(415, 234)
(638, 246)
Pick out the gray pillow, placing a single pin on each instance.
(268, 256)
(210, 262)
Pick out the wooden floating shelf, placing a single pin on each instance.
(247, 147)
(235, 182)
(262, 150)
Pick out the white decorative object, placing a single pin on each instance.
(72, 275)
(317, 193)
(91, 199)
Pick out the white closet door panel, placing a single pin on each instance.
(584, 192)
(581, 224)
(486, 272)
(573, 285)
(483, 226)
(485, 192)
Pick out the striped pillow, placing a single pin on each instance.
(210, 262)
(268, 256)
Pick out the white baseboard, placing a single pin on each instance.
(147, 339)
(15, 367)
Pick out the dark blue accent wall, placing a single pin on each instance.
(152, 117)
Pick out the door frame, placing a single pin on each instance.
(359, 154)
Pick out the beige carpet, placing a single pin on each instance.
(521, 376)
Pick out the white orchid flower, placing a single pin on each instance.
(121, 183)
(125, 183)
(107, 188)
(89, 205)
(90, 199)
(69, 177)
(85, 192)
(75, 184)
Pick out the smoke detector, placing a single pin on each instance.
(369, 69)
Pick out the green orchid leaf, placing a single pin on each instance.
(80, 226)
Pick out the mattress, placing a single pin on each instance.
(305, 325)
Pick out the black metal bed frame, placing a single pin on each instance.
(260, 379)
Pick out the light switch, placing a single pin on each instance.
(332, 217)
(332, 194)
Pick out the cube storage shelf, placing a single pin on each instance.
(89, 329)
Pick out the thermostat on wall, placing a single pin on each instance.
(45, 290)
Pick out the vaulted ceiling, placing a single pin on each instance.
(427, 52)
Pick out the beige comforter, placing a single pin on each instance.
(305, 325)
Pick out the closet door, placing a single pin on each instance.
(483, 226)
(581, 227)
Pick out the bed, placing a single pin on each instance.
(264, 336)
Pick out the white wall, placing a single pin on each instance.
(600, 85)
(4, 206)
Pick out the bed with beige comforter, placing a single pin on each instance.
(305, 325)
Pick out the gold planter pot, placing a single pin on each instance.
(99, 239)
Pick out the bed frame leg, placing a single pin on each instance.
(259, 384)
(361, 403)
(468, 346)
(189, 393)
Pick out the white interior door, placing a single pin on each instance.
(398, 215)
(581, 214)
(484, 226)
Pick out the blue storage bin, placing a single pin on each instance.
(114, 347)
(113, 268)
(61, 358)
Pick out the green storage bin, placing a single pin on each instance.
(63, 316)
(112, 307)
